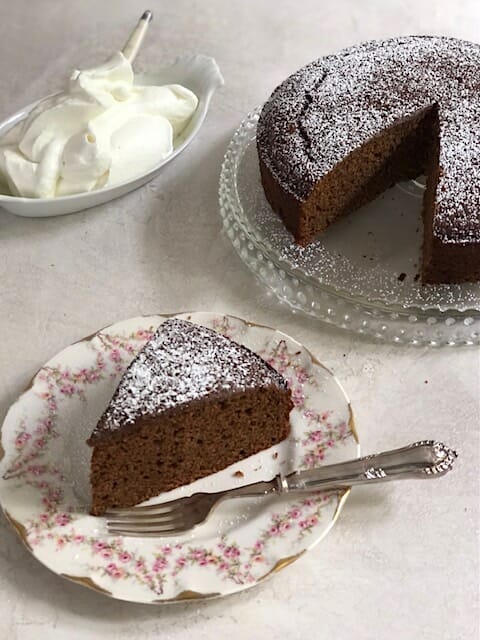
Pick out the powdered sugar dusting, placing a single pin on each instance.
(334, 105)
(183, 362)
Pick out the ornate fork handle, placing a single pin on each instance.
(425, 459)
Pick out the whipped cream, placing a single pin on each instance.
(101, 131)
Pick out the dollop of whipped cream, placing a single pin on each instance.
(102, 130)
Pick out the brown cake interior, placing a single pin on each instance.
(182, 446)
(399, 153)
(402, 152)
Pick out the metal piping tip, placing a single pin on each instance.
(147, 16)
(135, 40)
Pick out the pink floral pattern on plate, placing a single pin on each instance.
(36, 480)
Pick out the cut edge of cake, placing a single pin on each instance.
(182, 442)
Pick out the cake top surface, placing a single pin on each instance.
(329, 108)
(181, 363)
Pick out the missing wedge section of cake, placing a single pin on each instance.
(343, 129)
(190, 404)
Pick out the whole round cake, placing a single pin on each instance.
(343, 129)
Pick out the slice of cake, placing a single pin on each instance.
(191, 403)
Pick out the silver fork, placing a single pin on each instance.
(425, 459)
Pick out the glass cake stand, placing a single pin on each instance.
(361, 275)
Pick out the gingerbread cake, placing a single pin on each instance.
(340, 131)
(191, 403)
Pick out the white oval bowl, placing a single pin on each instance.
(198, 73)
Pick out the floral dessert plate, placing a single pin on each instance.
(44, 487)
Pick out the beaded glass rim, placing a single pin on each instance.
(449, 314)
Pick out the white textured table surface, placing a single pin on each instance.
(403, 560)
